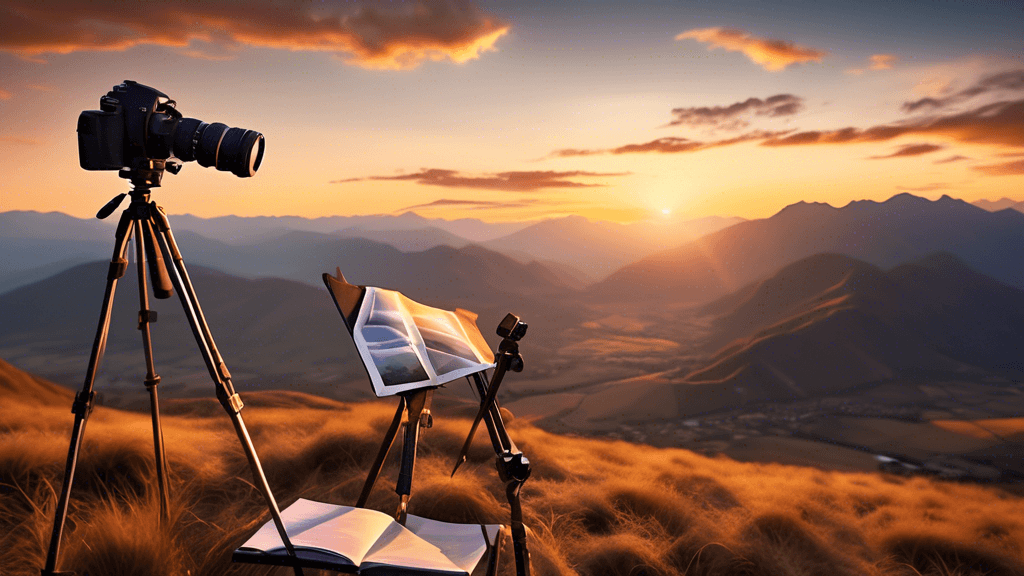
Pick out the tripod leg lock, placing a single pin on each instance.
(117, 269)
(233, 403)
(146, 317)
(82, 406)
(151, 382)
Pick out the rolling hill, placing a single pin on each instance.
(885, 234)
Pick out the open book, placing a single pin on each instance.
(405, 345)
(368, 542)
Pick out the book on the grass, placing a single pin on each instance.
(405, 345)
(369, 542)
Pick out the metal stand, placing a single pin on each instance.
(513, 467)
(154, 243)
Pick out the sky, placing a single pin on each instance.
(503, 110)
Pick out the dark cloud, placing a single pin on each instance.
(731, 116)
(669, 145)
(474, 204)
(368, 34)
(527, 181)
(772, 55)
(910, 150)
(951, 159)
(1011, 81)
(1015, 168)
(1000, 123)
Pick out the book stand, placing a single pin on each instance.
(414, 411)
(154, 242)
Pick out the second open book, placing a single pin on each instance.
(369, 542)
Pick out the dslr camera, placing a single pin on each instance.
(138, 128)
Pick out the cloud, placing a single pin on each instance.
(910, 150)
(669, 145)
(1008, 81)
(729, 117)
(473, 204)
(20, 140)
(1015, 168)
(5, 94)
(504, 181)
(951, 159)
(925, 188)
(876, 62)
(367, 34)
(772, 55)
(1000, 123)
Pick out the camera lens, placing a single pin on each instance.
(234, 150)
(241, 152)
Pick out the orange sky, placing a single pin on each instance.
(508, 111)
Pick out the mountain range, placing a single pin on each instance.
(901, 229)
(1001, 204)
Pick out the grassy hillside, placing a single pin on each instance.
(595, 507)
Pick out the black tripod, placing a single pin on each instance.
(513, 467)
(155, 244)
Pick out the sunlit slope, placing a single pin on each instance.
(885, 234)
(594, 507)
(829, 322)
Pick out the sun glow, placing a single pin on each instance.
(666, 211)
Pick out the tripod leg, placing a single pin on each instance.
(83, 400)
(520, 550)
(230, 400)
(143, 247)
(416, 405)
(382, 454)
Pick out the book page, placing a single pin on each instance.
(388, 344)
(399, 547)
(451, 350)
(343, 530)
(463, 544)
(406, 345)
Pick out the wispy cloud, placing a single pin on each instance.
(1000, 123)
(926, 188)
(42, 87)
(910, 150)
(668, 145)
(20, 140)
(474, 204)
(526, 181)
(876, 62)
(365, 33)
(772, 55)
(1015, 168)
(1008, 81)
(951, 159)
(731, 117)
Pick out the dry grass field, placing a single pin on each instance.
(594, 507)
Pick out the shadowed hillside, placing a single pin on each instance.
(594, 507)
(885, 234)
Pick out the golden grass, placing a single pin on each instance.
(594, 507)
(1005, 428)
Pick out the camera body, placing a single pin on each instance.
(137, 125)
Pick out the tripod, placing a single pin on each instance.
(154, 242)
(513, 467)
